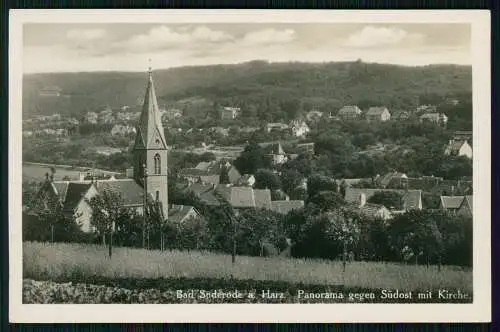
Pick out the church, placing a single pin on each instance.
(149, 179)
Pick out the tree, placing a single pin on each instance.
(290, 180)
(327, 200)
(390, 199)
(108, 211)
(317, 183)
(267, 179)
(251, 159)
(415, 234)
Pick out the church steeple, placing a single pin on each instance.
(150, 133)
(150, 149)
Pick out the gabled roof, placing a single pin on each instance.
(386, 179)
(262, 198)
(239, 197)
(376, 110)
(130, 191)
(468, 200)
(455, 145)
(178, 213)
(284, 207)
(74, 194)
(371, 210)
(350, 109)
(451, 202)
(412, 198)
(150, 129)
(60, 189)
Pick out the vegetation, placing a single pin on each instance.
(43, 261)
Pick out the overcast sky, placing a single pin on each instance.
(127, 47)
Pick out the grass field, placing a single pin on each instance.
(42, 261)
(36, 172)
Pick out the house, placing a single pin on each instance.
(219, 130)
(427, 109)
(392, 180)
(370, 210)
(210, 176)
(247, 180)
(91, 117)
(458, 148)
(122, 130)
(400, 115)
(299, 128)
(378, 114)
(437, 118)
(457, 204)
(462, 136)
(50, 91)
(314, 115)
(350, 112)
(412, 199)
(305, 148)
(172, 113)
(178, 214)
(284, 207)
(276, 127)
(275, 152)
(229, 113)
(149, 172)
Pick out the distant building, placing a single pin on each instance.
(122, 130)
(299, 128)
(314, 115)
(305, 148)
(437, 118)
(427, 109)
(400, 115)
(276, 127)
(378, 114)
(457, 204)
(462, 136)
(395, 179)
(230, 113)
(219, 130)
(284, 207)
(458, 148)
(275, 152)
(50, 91)
(372, 211)
(172, 113)
(247, 180)
(350, 112)
(91, 117)
(412, 199)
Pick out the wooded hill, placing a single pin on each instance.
(285, 88)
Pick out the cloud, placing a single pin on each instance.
(159, 38)
(86, 34)
(269, 37)
(371, 36)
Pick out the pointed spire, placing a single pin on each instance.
(149, 131)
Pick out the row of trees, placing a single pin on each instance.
(326, 228)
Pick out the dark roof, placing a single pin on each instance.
(451, 202)
(61, 188)
(284, 207)
(178, 213)
(130, 191)
(74, 194)
(412, 198)
(198, 172)
(468, 200)
(386, 179)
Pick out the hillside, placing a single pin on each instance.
(290, 86)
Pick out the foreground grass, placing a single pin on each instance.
(43, 261)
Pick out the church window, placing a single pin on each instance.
(157, 164)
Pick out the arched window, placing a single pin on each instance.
(157, 164)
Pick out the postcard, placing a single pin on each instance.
(249, 166)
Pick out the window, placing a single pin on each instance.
(157, 164)
(157, 195)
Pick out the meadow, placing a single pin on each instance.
(61, 261)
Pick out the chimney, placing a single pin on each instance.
(362, 200)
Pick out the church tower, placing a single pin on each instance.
(150, 149)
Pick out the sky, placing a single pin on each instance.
(131, 47)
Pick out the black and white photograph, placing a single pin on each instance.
(340, 159)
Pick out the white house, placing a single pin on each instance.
(458, 148)
(299, 128)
